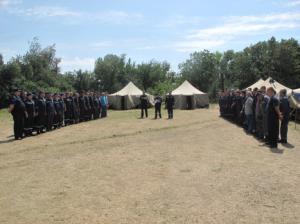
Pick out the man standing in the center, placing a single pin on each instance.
(170, 101)
(144, 105)
(157, 102)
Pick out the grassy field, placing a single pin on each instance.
(197, 168)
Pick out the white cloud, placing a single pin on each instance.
(115, 17)
(179, 20)
(70, 64)
(292, 3)
(238, 27)
(5, 3)
(191, 46)
(77, 17)
(46, 11)
(102, 44)
(145, 48)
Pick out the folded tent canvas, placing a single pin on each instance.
(188, 97)
(127, 98)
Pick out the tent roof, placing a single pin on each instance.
(258, 84)
(276, 85)
(186, 88)
(296, 90)
(129, 89)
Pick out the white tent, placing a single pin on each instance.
(127, 98)
(188, 97)
(296, 90)
(258, 84)
(276, 85)
(270, 83)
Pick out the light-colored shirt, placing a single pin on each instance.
(103, 101)
(249, 106)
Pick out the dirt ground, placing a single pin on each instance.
(197, 168)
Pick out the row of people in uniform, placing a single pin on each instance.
(46, 111)
(261, 112)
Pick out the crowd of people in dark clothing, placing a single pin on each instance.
(37, 113)
(262, 112)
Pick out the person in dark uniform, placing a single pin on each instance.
(62, 110)
(58, 110)
(285, 111)
(69, 109)
(82, 107)
(50, 111)
(88, 114)
(274, 116)
(76, 107)
(23, 96)
(237, 106)
(144, 105)
(18, 110)
(170, 101)
(41, 112)
(92, 106)
(259, 116)
(254, 95)
(96, 104)
(265, 104)
(29, 120)
(157, 103)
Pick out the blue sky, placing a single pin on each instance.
(143, 30)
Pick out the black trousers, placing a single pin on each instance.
(18, 126)
(50, 118)
(284, 128)
(170, 112)
(273, 130)
(157, 111)
(41, 120)
(96, 113)
(29, 121)
(144, 109)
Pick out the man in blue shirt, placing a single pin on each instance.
(104, 105)
(285, 111)
(274, 116)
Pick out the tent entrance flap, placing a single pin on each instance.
(123, 103)
(189, 102)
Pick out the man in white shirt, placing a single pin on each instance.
(248, 108)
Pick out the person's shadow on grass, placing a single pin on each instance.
(273, 150)
(277, 150)
(6, 141)
(288, 145)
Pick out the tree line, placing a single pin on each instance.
(209, 71)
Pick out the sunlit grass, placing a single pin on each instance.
(5, 116)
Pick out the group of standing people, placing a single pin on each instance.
(46, 111)
(261, 112)
(158, 101)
